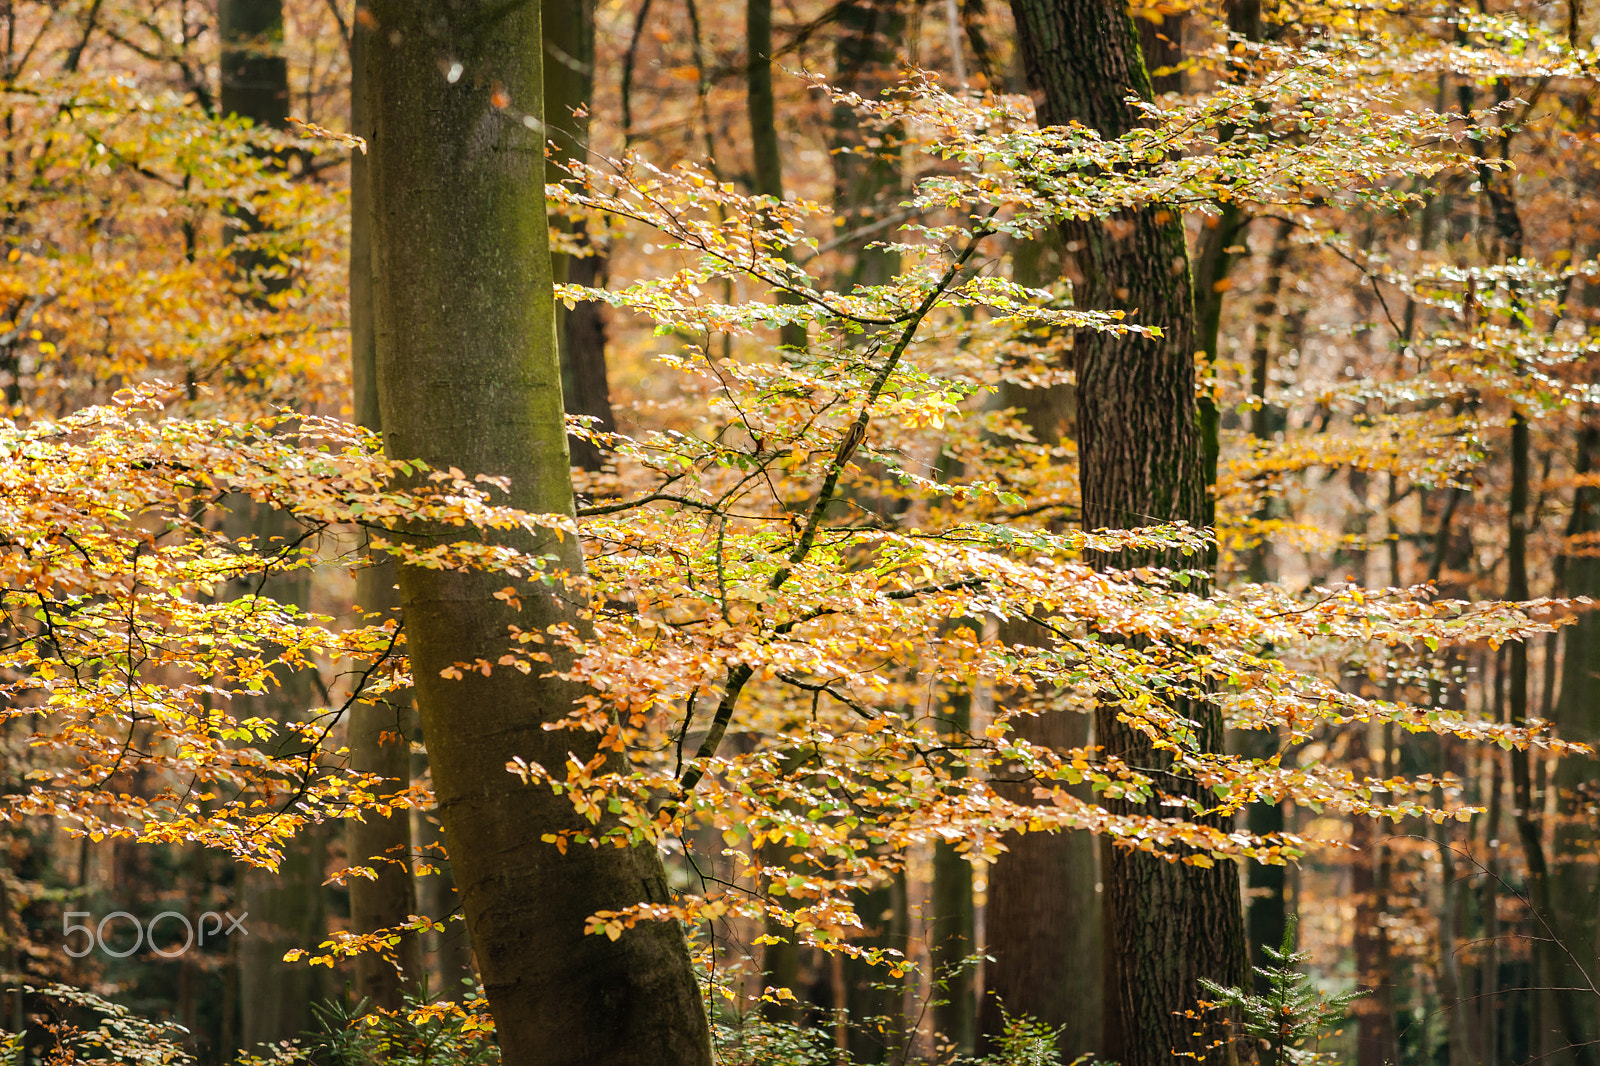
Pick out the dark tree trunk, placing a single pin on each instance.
(286, 905)
(952, 934)
(255, 72)
(1043, 918)
(1140, 462)
(568, 95)
(1574, 886)
(469, 376)
(765, 148)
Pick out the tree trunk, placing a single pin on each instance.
(255, 85)
(379, 734)
(568, 95)
(866, 175)
(1572, 881)
(1140, 462)
(1574, 886)
(1555, 1001)
(286, 906)
(952, 936)
(255, 73)
(765, 150)
(1376, 1042)
(1042, 933)
(1042, 921)
(469, 376)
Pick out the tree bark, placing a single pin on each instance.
(952, 934)
(1140, 462)
(1573, 883)
(1042, 922)
(469, 376)
(766, 156)
(379, 734)
(286, 906)
(568, 94)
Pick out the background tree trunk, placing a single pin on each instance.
(1140, 462)
(469, 376)
(380, 734)
(1042, 920)
(286, 907)
(568, 94)
(766, 154)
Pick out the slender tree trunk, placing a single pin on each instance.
(874, 999)
(1140, 461)
(1574, 885)
(568, 95)
(765, 149)
(286, 906)
(952, 936)
(469, 376)
(1555, 1001)
(255, 85)
(1042, 930)
(255, 73)
(866, 175)
(1376, 1044)
(1042, 919)
(380, 734)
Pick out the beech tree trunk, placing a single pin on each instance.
(1140, 462)
(379, 734)
(469, 376)
(952, 935)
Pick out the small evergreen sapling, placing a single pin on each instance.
(1288, 1020)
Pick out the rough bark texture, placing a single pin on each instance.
(469, 376)
(380, 734)
(1140, 462)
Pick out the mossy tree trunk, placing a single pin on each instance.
(1140, 462)
(469, 376)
